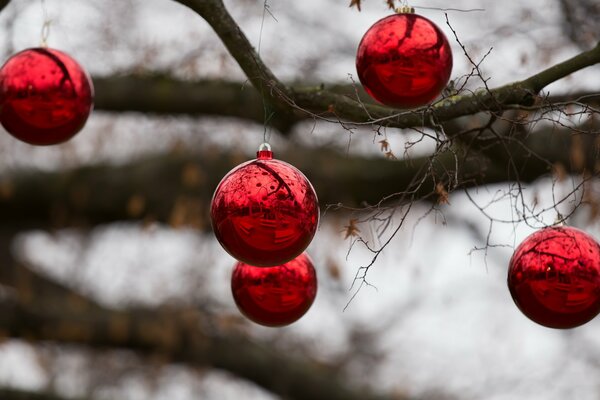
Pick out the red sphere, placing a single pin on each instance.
(275, 296)
(404, 61)
(554, 277)
(265, 212)
(45, 96)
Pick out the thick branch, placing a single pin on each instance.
(3, 3)
(323, 102)
(14, 394)
(182, 336)
(164, 95)
(522, 93)
(177, 188)
(47, 311)
(217, 16)
(29, 286)
(542, 79)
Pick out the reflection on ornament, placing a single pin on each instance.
(45, 96)
(265, 212)
(404, 61)
(554, 277)
(275, 296)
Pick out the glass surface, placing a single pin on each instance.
(275, 296)
(554, 277)
(264, 212)
(45, 96)
(404, 61)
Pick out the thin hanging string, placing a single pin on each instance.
(268, 113)
(46, 24)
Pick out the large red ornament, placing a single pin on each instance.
(404, 60)
(554, 277)
(265, 212)
(45, 96)
(275, 296)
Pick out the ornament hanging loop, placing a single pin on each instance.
(45, 33)
(46, 25)
(264, 147)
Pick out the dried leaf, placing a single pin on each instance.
(333, 269)
(192, 175)
(351, 229)
(187, 211)
(577, 153)
(390, 156)
(136, 205)
(385, 145)
(7, 189)
(442, 194)
(355, 3)
(390, 4)
(559, 172)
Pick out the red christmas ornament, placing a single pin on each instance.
(265, 212)
(275, 296)
(45, 96)
(404, 60)
(554, 277)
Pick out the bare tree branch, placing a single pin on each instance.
(42, 310)
(3, 3)
(164, 191)
(183, 336)
(164, 95)
(320, 101)
(217, 16)
(99, 194)
(15, 394)
(580, 18)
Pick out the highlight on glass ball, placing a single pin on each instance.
(554, 277)
(264, 212)
(45, 96)
(404, 60)
(275, 296)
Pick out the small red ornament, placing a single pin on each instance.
(45, 96)
(265, 212)
(404, 60)
(275, 296)
(554, 277)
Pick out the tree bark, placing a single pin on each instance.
(177, 188)
(15, 394)
(167, 96)
(319, 102)
(182, 336)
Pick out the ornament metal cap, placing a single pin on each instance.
(264, 151)
(405, 10)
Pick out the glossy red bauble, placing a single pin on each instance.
(275, 296)
(554, 277)
(45, 96)
(404, 61)
(265, 212)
